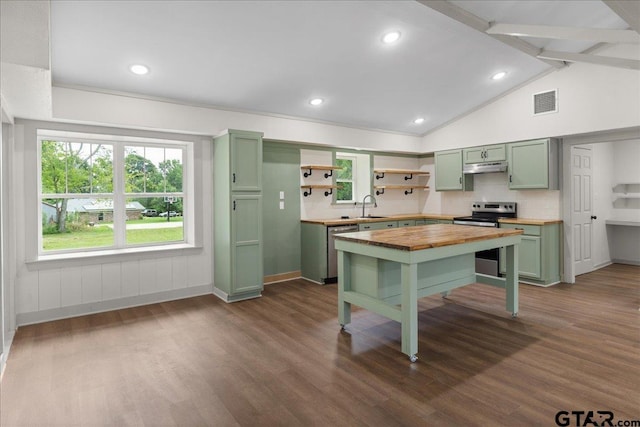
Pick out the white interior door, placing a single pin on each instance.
(582, 208)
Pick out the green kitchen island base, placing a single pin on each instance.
(386, 271)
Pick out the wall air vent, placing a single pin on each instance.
(545, 102)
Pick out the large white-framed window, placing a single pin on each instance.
(107, 192)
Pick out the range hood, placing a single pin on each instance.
(485, 167)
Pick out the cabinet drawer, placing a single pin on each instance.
(529, 230)
(377, 225)
(407, 223)
(420, 222)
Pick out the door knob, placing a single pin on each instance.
(594, 217)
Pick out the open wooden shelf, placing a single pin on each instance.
(311, 168)
(408, 173)
(408, 189)
(318, 186)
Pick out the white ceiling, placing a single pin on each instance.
(272, 57)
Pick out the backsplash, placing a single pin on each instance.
(493, 187)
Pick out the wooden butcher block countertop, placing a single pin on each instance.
(346, 221)
(529, 221)
(427, 236)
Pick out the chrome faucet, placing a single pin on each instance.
(375, 204)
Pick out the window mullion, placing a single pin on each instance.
(119, 199)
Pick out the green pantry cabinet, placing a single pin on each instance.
(539, 253)
(238, 268)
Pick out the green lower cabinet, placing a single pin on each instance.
(313, 263)
(539, 254)
(407, 223)
(377, 225)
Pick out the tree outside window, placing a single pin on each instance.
(345, 178)
(83, 207)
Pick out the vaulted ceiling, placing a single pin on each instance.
(273, 57)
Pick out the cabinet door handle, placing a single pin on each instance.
(519, 228)
(389, 225)
(460, 180)
(510, 178)
(234, 177)
(594, 217)
(234, 205)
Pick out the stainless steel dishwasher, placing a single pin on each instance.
(332, 254)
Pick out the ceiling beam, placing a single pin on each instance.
(629, 11)
(632, 64)
(461, 15)
(565, 33)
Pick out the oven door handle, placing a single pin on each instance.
(477, 224)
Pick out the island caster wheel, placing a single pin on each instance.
(413, 358)
(514, 315)
(341, 327)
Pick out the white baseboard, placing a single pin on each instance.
(226, 298)
(8, 340)
(23, 319)
(625, 261)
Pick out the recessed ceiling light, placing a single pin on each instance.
(419, 120)
(498, 76)
(391, 37)
(139, 69)
(316, 101)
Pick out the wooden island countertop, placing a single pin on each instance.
(426, 236)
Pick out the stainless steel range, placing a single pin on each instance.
(486, 214)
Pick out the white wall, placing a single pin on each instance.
(94, 107)
(591, 98)
(54, 289)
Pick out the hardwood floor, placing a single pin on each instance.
(282, 360)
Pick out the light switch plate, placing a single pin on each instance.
(282, 195)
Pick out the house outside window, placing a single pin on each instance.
(94, 189)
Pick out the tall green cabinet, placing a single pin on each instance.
(237, 209)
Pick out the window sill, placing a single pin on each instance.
(111, 255)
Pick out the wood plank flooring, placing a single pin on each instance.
(282, 360)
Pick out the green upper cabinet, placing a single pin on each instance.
(448, 170)
(533, 164)
(246, 160)
(488, 153)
